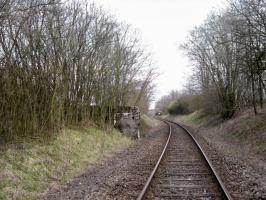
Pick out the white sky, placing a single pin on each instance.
(163, 25)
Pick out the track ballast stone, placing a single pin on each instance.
(120, 176)
(183, 172)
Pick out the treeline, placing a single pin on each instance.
(164, 102)
(63, 63)
(178, 103)
(228, 53)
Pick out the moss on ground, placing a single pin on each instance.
(195, 118)
(28, 171)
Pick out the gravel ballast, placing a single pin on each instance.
(241, 178)
(120, 176)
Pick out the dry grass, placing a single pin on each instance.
(29, 170)
(243, 136)
(195, 118)
(244, 129)
(248, 129)
(146, 123)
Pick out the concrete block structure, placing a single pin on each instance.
(127, 120)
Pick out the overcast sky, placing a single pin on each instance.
(163, 25)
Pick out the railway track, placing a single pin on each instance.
(183, 171)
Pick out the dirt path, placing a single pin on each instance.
(120, 176)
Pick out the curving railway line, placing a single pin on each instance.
(183, 171)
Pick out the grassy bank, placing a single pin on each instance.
(29, 169)
(195, 118)
(244, 129)
(146, 123)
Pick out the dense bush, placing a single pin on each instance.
(178, 103)
(178, 108)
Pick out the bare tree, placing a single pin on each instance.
(57, 59)
(228, 52)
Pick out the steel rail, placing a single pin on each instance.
(219, 180)
(147, 184)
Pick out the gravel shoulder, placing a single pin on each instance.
(119, 176)
(241, 168)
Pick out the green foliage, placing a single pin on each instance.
(180, 103)
(195, 118)
(178, 108)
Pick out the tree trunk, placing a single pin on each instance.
(260, 91)
(253, 94)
